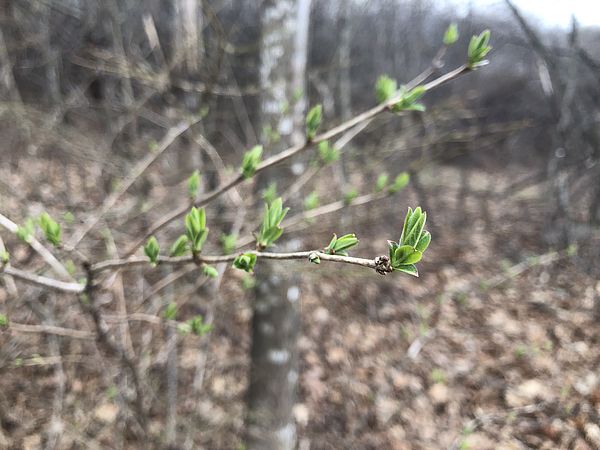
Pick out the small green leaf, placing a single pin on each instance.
(152, 249)
(228, 242)
(3, 320)
(193, 184)
(311, 201)
(327, 152)
(4, 257)
(248, 282)
(270, 193)
(210, 271)
(400, 182)
(180, 247)
(313, 121)
(25, 232)
(51, 229)
(198, 326)
(68, 217)
(251, 161)
(410, 269)
(385, 88)
(408, 99)
(340, 245)
(245, 261)
(314, 258)
(423, 242)
(451, 34)
(382, 181)
(170, 311)
(350, 195)
(70, 266)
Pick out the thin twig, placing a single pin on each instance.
(46, 255)
(140, 168)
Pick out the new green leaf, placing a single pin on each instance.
(385, 88)
(193, 184)
(451, 34)
(251, 161)
(152, 249)
(51, 229)
(313, 121)
(270, 229)
(245, 261)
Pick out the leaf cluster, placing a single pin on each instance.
(478, 48)
(245, 261)
(195, 229)
(270, 230)
(414, 240)
(251, 161)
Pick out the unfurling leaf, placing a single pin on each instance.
(50, 228)
(3, 320)
(270, 193)
(151, 250)
(270, 229)
(341, 245)
(228, 242)
(195, 228)
(193, 184)
(350, 195)
(198, 326)
(170, 311)
(382, 181)
(327, 152)
(385, 88)
(314, 258)
(4, 257)
(245, 261)
(180, 247)
(210, 271)
(251, 161)
(413, 242)
(408, 99)
(478, 48)
(451, 34)
(400, 182)
(311, 201)
(313, 121)
(25, 231)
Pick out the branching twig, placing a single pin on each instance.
(46, 255)
(291, 152)
(140, 168)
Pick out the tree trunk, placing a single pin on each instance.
(275, 325)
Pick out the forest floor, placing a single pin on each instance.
(495, 346)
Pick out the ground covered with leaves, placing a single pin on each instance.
(495, 346)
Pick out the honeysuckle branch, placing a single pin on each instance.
(137, 261)
(293, 151)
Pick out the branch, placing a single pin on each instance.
(46, 255)
(137, 261)
(290, 152)
(137, 171)
(51, 283)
